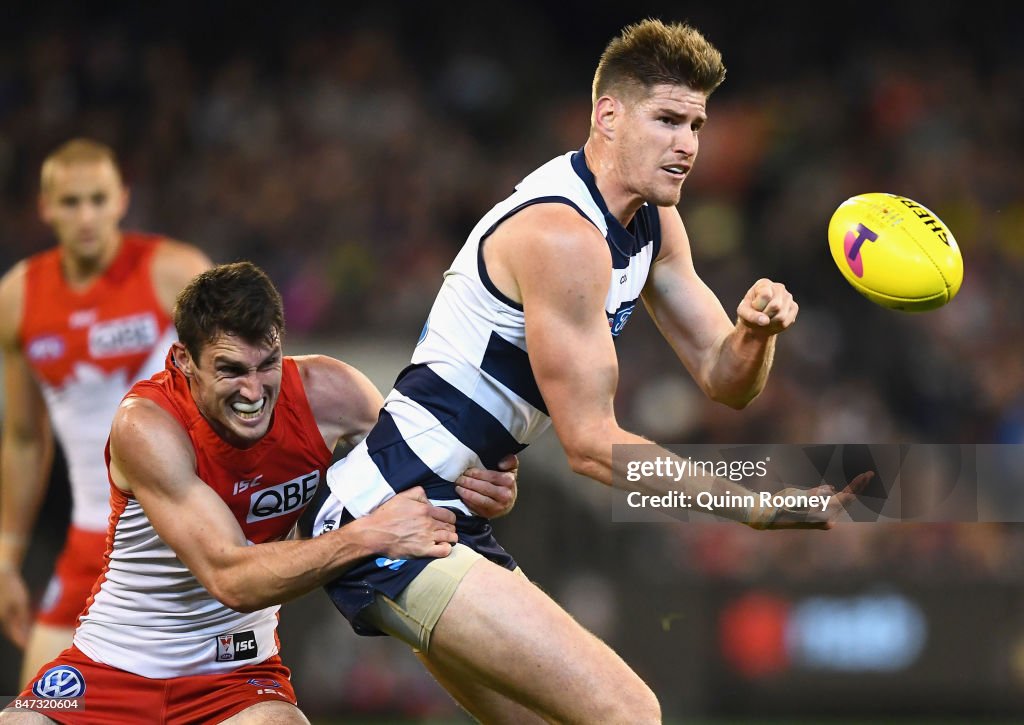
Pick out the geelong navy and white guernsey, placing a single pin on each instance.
(469, 397)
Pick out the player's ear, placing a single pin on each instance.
(123, 202)
(43, 208)
(182, 359)
(606, 113)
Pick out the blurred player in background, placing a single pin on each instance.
(212, 462)
(79, 324)
(522, 335)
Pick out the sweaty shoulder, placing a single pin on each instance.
(344, 402)
(174, 266)
(551, 222)
(12, 303)
(143, 432)
(540, 240)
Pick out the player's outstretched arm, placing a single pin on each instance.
(780, 517)
(152, 458)
(26, 456)
(572, 355)
(729, 361)
(558, 265)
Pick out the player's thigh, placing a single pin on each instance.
(24, 718)
(412, 615)
(268, 713)
(503, 632)
(482, 702)
(45, 642)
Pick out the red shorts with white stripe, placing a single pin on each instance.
(78, 566)
(109, 696)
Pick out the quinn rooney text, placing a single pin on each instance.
(712, 502)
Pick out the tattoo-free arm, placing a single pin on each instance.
(560, 267)
(729, 361)
(26, 457)
(152, 457)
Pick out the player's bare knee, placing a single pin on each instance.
(269, 713)
(633, 705)
(648, 710)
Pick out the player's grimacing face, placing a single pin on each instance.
(236, 384)
(658, 140)
(84, 204)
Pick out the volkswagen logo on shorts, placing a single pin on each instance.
(60, 681)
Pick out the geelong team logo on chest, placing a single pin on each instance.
(625, 288)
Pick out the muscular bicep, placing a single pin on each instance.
(344, 401)
(152, 457)
(563, 275)
(688, 314)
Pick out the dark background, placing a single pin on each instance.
(349, 150)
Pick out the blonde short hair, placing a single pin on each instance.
(76, 151)
(651, 53)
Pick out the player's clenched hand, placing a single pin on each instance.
(768, 307)
(407, 525)
(15, 614)
(490, 493)
(780, 517)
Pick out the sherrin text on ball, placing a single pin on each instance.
(896, 252)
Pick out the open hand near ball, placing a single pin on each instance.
(767, 308)
(808, 517)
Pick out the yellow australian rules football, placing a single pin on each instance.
(895, 252)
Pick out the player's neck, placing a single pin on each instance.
(81, 272)
(622, 204)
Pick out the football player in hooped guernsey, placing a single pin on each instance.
(79, 324)
(211, 462)
(521, 335)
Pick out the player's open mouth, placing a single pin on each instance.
(676, 170)
(249, 411)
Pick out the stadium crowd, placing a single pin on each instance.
(349, 160)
